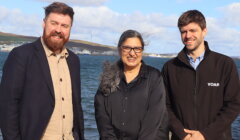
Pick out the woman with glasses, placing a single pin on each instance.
(130, 101)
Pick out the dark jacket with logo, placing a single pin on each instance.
(131, 111)
(206, 99)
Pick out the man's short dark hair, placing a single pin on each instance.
(60, 8)
(192, 16)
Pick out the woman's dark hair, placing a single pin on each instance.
(130, 34)
(191, 16)
(60, 8)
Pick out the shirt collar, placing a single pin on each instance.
(200, 58)
(49, 53)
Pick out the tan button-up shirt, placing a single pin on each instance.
(60, 124)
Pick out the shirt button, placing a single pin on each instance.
(124, 110)
(60, 79)
(123, 123)
(126, 98)
(63, 116)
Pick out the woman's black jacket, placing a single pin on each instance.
(131, 111)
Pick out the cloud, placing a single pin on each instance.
(224, 31)
(106, 25)
(14, 21)
(103, 25)
(80, 2)
(231, 14)
(223, 37)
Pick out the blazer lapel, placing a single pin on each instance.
(44, 66)
(71, 70)
(73, 75)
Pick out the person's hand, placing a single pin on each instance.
(187, 137)
(195, 135)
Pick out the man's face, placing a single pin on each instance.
(193, 36)
(56, 32)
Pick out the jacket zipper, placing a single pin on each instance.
(195, 99)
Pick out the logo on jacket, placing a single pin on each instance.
(213, 84)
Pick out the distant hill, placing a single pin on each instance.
(79, 46)
(8, 41)
(8, 37)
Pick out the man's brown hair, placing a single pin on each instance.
(190, 17)
(60, 8)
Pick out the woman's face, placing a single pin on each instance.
(131, 52)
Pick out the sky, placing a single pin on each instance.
(103, 21)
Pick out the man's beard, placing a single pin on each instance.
(52, 44)
(196, 45)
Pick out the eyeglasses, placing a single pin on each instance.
(129, 49)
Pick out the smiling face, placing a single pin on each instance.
(56, 32)
(193, 36)
(129, 57)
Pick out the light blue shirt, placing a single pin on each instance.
(195, 63)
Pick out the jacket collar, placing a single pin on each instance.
(113, 74)
(182, 55)
(142, 73)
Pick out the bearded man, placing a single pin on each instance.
(40, 96)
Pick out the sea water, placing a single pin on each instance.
(91, 67)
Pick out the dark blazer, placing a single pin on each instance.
(27, 95)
